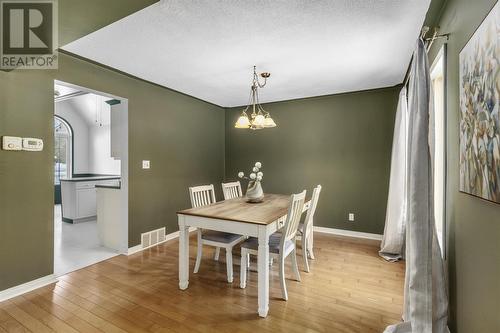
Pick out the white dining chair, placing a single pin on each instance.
(232, 190)
(202, 196)
(281, 245)
(305, 230)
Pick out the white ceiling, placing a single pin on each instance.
(207, 48)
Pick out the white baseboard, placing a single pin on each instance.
(331, 231)
(134, 249)
(168, 237)
(348, 233)
(27, 287)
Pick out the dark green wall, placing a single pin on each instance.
(26, 179)
(166, 127)
(342, 142)
(473, 224)
(182, 136)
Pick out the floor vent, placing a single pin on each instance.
(152, 238)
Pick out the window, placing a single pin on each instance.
(438, 78)
(62, 150)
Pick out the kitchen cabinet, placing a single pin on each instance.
(86, 201)
(79, 198)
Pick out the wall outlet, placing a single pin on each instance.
(146, 164)
(351, 217)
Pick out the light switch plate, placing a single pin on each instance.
(146, 164)
(12, 143)
(351, 217)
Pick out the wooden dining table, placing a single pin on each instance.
(237, 216)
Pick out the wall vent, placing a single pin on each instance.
(153, 237)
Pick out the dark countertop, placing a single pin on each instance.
(116, 187)
(93, 178)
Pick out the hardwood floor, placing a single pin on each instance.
(349, 289)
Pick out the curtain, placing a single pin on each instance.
(426, 300)
(392, 246)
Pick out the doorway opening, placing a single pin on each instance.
(90, 177)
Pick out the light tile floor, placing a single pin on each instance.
(76, 245)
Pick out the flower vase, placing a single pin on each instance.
(254, 192)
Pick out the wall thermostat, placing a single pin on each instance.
(32, 144)
(12, 143)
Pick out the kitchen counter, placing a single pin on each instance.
(116, 187)
(79, 196)
(91, 178)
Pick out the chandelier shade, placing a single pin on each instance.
(269, 122)
(242, 122)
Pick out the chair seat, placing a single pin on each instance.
(274, 243)
(218, 236)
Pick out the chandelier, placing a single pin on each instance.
(259, 118)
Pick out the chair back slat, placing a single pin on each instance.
(312, 208)
(293, 217)
(202, 195)
(232, 190)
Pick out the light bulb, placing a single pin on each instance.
(242, 122)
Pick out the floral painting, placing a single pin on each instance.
(479, 111)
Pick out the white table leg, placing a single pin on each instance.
(183, 253)
(229, 265)
(243, 268)
(263, 271)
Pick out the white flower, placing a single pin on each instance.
(255, 169)
(241, 174)
(259, 178)
(253, 176)
(260, 174)
(258, 165)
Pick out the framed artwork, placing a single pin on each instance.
(479, 110)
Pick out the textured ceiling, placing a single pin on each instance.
(207, 48)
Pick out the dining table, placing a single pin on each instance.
(237, 216)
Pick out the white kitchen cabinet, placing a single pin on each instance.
(86, 202)
(79, 198)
